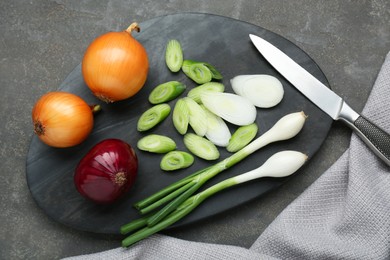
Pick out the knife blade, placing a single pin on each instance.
(328, 101)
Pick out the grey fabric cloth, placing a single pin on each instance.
(345, 214)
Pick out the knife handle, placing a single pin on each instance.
(375, 138)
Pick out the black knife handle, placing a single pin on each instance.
(376, 138)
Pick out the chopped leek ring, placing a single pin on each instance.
(181, 116)
(197, 71)
(176, 160)
(156, 144)
(215, 74)
(197, 119)
(166, 92)
(201, 147)
(174, 55)
(153, 116)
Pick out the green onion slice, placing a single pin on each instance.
(201, 147)
(209, 86)
(176, 160)
(181, 116)
(174, 55)
(241, 137)
(198, 118)
(197, 71)
(166, 92)
(156, 144)
(153, 116)
(214, 73)
(217, 130)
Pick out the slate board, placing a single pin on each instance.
(221, 41)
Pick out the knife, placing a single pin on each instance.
(328, 101)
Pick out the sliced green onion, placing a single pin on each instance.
(197, 71)
(241, 137)
(181, 116)
(217, 130)
(176, 160)
(153, 116)
(209, 86)
(215, 74)
(197, 119)
(166, 92)
(233, 108)
(174, 55)
(201, 147)
(156, 144)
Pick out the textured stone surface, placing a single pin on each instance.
(42, 41)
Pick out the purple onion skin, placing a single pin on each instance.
(107, 171)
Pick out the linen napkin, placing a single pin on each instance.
(345, 214)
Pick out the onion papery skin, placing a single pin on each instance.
(107, 171)
(115, 66)
(62, 119)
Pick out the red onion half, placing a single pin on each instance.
(107, 171)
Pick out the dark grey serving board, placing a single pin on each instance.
(221, 41)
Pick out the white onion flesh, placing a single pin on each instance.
(279, 165)
(197, 119)
(217, 130)
(262, 90)
(230, 107)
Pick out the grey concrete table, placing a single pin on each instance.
(42, 41)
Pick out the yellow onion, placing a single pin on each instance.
(62, 119)
(115, 65)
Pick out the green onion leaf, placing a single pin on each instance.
(241, 137)
(175, 160)
(153, 116)
(174, 55)
(201, 147)
(156, 144)
(134, 225)
(209, 86)
(214, 73)
(181, 116)
(166, 92)
(197, 71)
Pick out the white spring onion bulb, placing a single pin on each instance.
(287, 127)
(279, 165)
(262, 90)
(230, 107)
